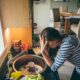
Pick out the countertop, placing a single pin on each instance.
(4, 54)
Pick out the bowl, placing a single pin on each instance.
(25, 59)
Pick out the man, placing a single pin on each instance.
(69, 49)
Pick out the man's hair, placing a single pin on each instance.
(50, 34)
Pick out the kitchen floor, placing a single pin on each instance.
(65, 71)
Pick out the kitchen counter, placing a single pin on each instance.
(37, 50)
(5, 58)
(3, 62)
(4, 54)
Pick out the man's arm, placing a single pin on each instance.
(64, 53)
(44, 52)
(47, 58)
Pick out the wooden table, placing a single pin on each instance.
(67, 16)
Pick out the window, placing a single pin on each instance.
(1, 41)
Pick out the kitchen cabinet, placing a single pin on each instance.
(16, 22)
(15, 13)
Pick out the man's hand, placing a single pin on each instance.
(43, 45)
(44, 52)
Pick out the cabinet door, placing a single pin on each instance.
(15, 13)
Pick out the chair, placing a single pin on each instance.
(75, 25)
(74, 20)
(56, 16)
(76, 29)
(58, 21)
